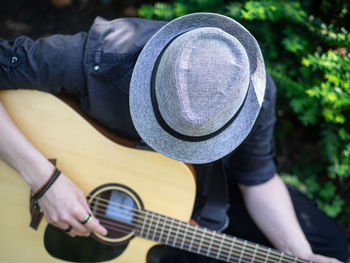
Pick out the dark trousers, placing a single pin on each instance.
(324, 234)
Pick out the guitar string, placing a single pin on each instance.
(278, 254)
(201, 231)
(223, 256)
(211, 254)
(122, 226)
(246, 245)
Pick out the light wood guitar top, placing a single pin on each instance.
(89, 159)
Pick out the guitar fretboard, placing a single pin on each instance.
(176, 233)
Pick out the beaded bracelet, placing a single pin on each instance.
(41, 191)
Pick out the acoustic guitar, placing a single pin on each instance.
(143, 198)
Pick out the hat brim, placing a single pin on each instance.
(141, 108)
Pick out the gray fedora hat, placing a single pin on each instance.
(197, 87)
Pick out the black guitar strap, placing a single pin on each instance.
(212, 213)
(211, 210)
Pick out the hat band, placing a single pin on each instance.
(170, 130)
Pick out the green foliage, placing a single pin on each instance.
(273, 10)
(306, 47)
(294, 181)
(325, 194)
(168, 11)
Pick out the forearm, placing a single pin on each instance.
(19, 153)
(64, 204)
(270, 206)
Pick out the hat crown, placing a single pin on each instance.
(157, 101)
(201, 81)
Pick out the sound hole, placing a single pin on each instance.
(116, 208)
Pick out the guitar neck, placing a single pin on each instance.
(200, 240)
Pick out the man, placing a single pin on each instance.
(194, 89)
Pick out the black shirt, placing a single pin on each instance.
(96, 68)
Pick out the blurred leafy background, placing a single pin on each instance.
(306, 48)
(305, 45)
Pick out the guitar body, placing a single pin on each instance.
(90, 160)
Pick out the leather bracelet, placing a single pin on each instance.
(41, 191)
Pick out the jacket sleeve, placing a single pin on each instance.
(47, 64)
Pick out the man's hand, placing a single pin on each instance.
(272, 210)
(64, 205)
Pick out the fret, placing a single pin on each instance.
(255, 250)
(281, 258)
(176, 233)
(143, 224)
(195, 241)
(201, 241)
(210, 243)
(169, 231)
(184, 237)
(242, 251)
(155, 228)
(267, 255)
(230, 251)
(162, 228)
(148, 230)
(220, 247)
(193, 238)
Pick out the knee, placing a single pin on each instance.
(341, 247)
(324, 234)
(334, 245)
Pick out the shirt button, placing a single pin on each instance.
(96, 67)
(14, 59)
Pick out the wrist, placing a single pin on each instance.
(42, 190)
(37, 173)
